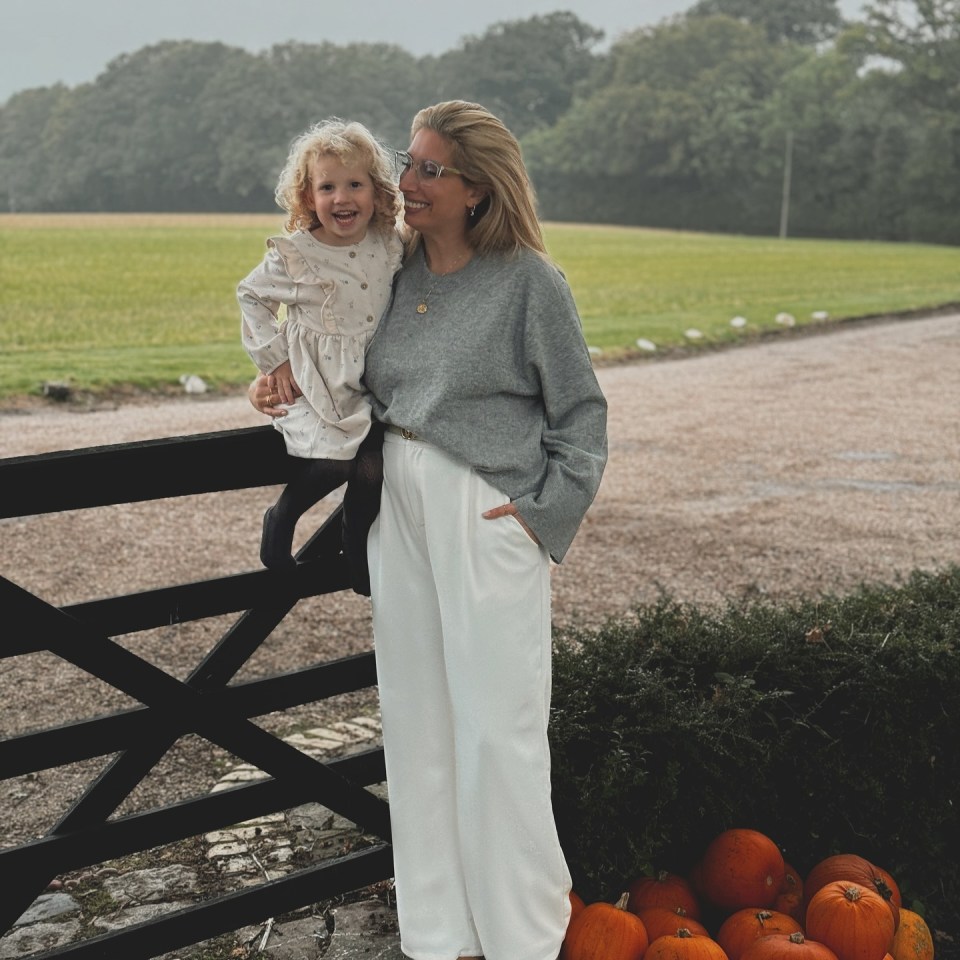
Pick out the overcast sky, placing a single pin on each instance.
(43, 42)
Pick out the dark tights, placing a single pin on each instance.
(311, 481)
(361, 504)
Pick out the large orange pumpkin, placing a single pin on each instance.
(790, 898)
(576, 904)
(849, 866)
(741, 868)
(913, 940)
(662, 921)
(740, 929)
(683, 945)
(663, 890)
(787, 946)
(853, 921)
(603, 931)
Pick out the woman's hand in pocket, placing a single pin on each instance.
(510, 510)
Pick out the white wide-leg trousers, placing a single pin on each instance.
(461, 623)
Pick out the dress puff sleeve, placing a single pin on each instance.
(271, 284)
(393, 240)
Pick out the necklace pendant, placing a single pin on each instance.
(422, 307)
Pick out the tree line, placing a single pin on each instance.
(689, 123)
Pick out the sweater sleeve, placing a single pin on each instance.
(261, 294)
(575, 420)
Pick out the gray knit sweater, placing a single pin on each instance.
(496, 373)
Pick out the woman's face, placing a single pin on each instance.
(436, 207)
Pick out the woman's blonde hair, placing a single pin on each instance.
(488, 156)
(351, 143)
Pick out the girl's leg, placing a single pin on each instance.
(361, 504)
(312, 480)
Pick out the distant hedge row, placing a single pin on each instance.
(829, 725)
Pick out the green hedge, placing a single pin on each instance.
(829, 725)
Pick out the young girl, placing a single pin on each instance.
(332, 272)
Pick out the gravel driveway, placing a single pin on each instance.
(798, 465)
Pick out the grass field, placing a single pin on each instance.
(100, 301)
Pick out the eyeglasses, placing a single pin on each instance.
(425, 170)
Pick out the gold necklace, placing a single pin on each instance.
(422, 304)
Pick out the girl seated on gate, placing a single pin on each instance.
(332, 271)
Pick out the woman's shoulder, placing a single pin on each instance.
(531, 269)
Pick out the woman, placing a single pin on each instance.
(494, 448)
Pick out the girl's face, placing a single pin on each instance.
(342, 198)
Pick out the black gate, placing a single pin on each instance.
(205, 703)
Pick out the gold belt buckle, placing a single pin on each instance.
(407, 434)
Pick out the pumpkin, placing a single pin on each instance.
(852, 920)
(787, 946)
(742, 868)
(790, 898)
(849, 866)
(684, 945)
(913, 940)
(576, 904)
(662, 921)
(740, 929)
(603, 931)
(664, 890)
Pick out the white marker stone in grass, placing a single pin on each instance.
(738, 322)
(785, 319)
(645, 344)
(693, 334)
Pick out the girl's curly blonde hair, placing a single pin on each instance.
(351, 143)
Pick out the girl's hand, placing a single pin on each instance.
(509, 510)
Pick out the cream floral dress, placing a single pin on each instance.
(334, 297)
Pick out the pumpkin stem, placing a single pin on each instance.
(796, 937)
(662, 875)
(684, 934)
(621, 904)
(852, 893)
(764, 915)
(882, 888)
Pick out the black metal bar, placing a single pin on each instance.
(322, 571)
(187, 818)
(144, 470)
(231, 911)
(57, 746)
